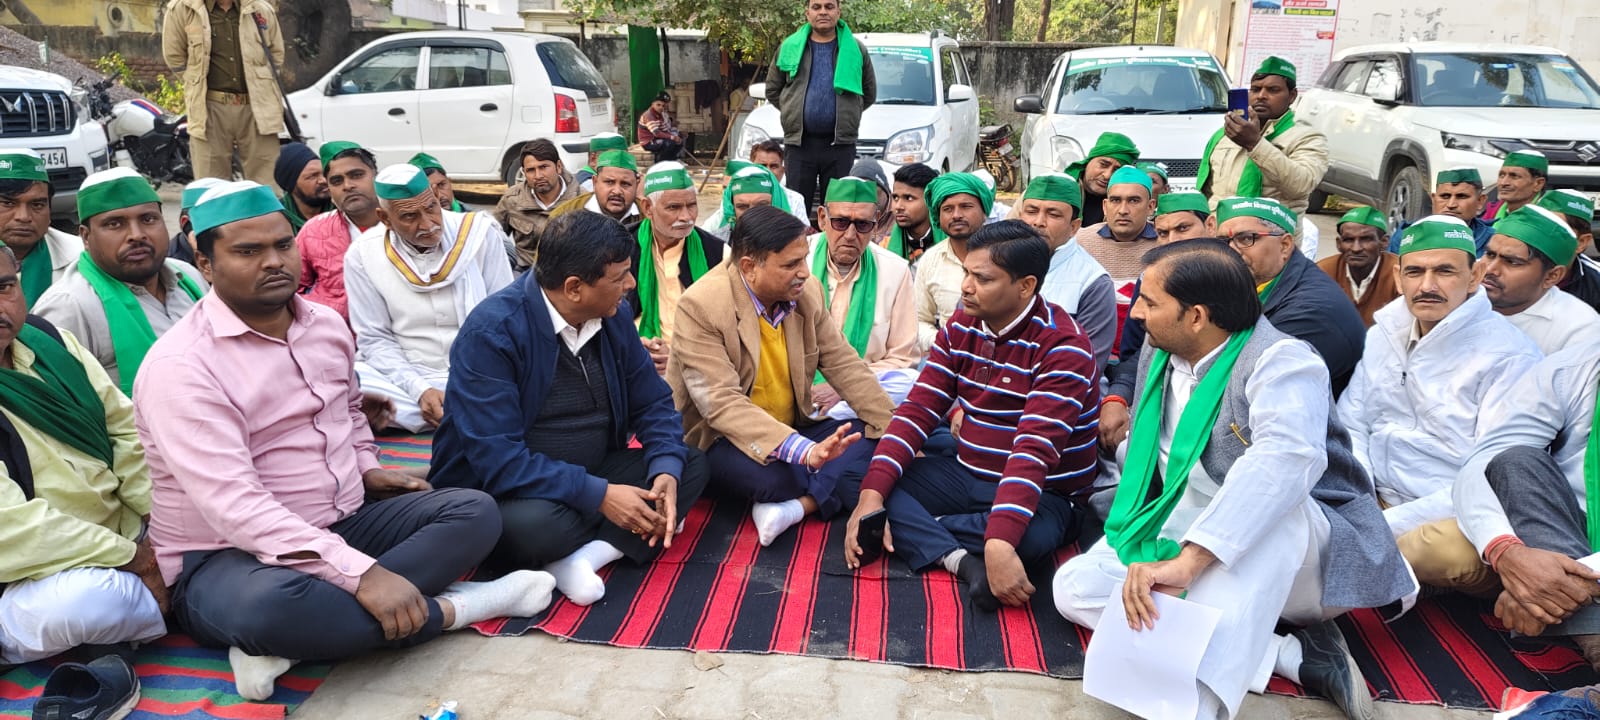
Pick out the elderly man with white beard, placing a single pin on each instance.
(671, 256)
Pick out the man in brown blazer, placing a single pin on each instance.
(749, 340)
(1363, 270)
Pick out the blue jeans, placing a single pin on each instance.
(938, 507)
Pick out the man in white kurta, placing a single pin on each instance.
(1273, 519)
(1432, 361)
(1531, 252)
(411, 282)
(868, 292)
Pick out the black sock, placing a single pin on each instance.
(972, 571)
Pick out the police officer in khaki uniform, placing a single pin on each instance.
(234, 102)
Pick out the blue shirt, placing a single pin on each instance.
(820, 100)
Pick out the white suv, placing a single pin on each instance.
(1169, 101)
(926, 110)
(1397, 114)
(43, 112)
(470, 99)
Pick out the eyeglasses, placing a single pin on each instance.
(863, 227)
(1246, 239)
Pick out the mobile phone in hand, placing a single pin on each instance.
(1239, 99)
(869, 535)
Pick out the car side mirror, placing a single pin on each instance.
(1391, 98)
(958, 93)
(1028, 104)
(758, 90)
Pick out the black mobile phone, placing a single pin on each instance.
(869, 535)
(1239, 99)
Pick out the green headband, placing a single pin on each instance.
(114, 189)
(1365, 215)
(1275, 65)
(1568, 202)
(603, 143)
(616, 159)
(233, 202)
(421, 161)
(401, 182)
(1531, 159)
(1130, 175)
(1541, 230)
(1265, 209)
(1183, 202)
(1459, 175)
(1055, 187)
(673, 178)
(1437, 232)
(330, 150)
(852, 190)
(23, 166)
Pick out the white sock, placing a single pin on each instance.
(952, 562)
(578, 574)
(1290, 656)
(775, 517)
(255, 676)
(523, 593)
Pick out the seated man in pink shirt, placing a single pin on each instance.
(263, 466)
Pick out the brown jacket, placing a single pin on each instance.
(524, 219)
(716, 344)
(1380, 291)
(186, 46)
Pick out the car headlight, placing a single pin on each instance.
(909, 146)
(749, 138)
(1066, 152)
(1493, 147)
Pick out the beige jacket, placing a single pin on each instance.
(893, 342)
(716, 344)
(186, 45)
(1291, 166)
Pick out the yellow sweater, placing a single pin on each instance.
(772, 391)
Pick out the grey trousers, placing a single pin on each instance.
(1539, 502)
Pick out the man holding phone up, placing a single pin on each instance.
(1263, 152)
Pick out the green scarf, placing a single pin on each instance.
(131, 335)
(1591, 477)
(60, 402)
(1266, 292)
(1250, 179)
(456, 206)
(863, 299)
(897, 241)
(846, 66)
(1134, 526)
(649, 320)
(37, 271)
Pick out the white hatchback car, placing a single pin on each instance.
(1397, 114)
(926, 111)
(1169, 101)
(470, 99)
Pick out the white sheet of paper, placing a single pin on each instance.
(1151, 672)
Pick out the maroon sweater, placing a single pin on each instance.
(1031, 400)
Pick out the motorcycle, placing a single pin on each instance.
(995, 155)
(142, 136)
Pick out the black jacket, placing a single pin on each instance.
(712, 244)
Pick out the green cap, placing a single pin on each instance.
(330, 150)
(756, 182)
(1130, 175)
(1365, 215)
(1183, 201)
(1154, 167)
(193, 191)
(1542, 230)
(115, 189)
(1266, 209)
(607, 141)
(401, 182)
(852, 190)
(232, 202)
(664, 176)
(1275, 65)
(1437, 232)
(1055, 187)
(1531, 159)
(616, 159)
(1568, 202)
(422, 161)
(1458, 175)
(22, 164)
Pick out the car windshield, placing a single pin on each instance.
(569, 69)
(1142, 85)
(1501, 80)
(905, 75)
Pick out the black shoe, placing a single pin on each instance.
(1327, 670)
(106, 689)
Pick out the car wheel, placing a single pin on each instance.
(1317, 202)
(1407, 196)
(513, 173)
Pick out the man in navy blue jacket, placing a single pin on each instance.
(549, 380)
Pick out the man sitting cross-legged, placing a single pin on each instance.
(261, 462)
(1023, 372)
(751, 337)
(412, 281)
(1238, 488)
(671, 255)
(549, 380)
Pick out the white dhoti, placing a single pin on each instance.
(897, 383)
(407, 412)
(82, 606)
(1280, 579)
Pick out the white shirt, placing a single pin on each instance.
(561, 195)
(1558, 320)
(574, 337)
(1358, 288)
(593, 205)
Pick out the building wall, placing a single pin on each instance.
(1003, 70)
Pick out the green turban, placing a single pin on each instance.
(1531, 159)
(1113, 145)
(1369, 216)
(1438, 232)
(1266, 209)
(1055, 187)
(950, 184)
(1542, 230)
(1275, 65)
(1183, 201)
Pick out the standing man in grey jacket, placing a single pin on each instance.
(821, 81)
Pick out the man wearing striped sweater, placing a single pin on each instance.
(1022, 372)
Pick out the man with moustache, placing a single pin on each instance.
(1111, 152)
(46, 254)
(1076, 282)
(1525, 261)
(1522, 178)
(959, 204)
(412, 281)
(615, 192)
(672, 255)
(1457, 193)
(749, 186)
(1119, 243)
(305, 191)
(326, 238)
(127, 292)
(1415, 407)
(1362, 268)
(526, 206)
(912, 233)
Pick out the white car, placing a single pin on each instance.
(1169, 101)
(1397, 114)
(43, 112)
(926, 110)
(470, 99)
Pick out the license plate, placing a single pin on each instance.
(598, 108)
(54, 158)
(1180, 186)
